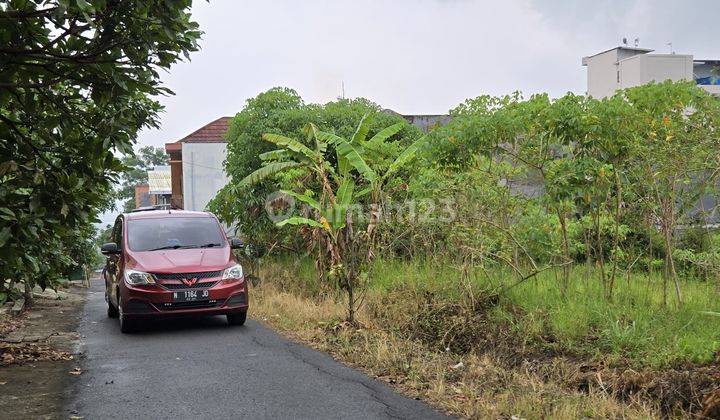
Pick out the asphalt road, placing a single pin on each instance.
(203, 368)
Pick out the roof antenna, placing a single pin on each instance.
(669, 44)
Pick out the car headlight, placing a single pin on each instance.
(233, 273)
(135, 277)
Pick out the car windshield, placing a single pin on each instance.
(154, 234)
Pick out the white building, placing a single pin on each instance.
(196, 165)
(624, 67)
(159, 186)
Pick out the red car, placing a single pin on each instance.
(172, 262)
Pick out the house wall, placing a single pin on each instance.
(646, 68)
(623, 68)
(602, 77)
(176, 179)
(630, 72)
(662, 67)
(203, 174)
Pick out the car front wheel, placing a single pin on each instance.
(112, 311)
(126, 325)
(237, 318)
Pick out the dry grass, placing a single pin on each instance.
(473, 385)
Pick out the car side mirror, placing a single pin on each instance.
(110, 248)
(236, 243)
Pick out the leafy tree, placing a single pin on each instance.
(282, 111)
(77, 82)
(536, 184)
(676, 159)
(279, 110)
(332, 188)
(103, 235)
(613, 171)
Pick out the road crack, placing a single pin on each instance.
(372, 391)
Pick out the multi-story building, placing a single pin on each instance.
(624, 67)
(196, 165)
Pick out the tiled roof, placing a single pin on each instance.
(213, 132)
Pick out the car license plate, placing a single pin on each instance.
(190, 295)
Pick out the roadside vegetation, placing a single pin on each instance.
(538, 230)
(633, 330)
(492, 366)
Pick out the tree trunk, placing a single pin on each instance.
(669, 230)
(599, 249)
(665, 280)
(616, 238)
(651, 258)
(566, 253)
(671, 264)
(28, 295)
(351, 302)
(588, 255)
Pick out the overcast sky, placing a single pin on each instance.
(413, 56)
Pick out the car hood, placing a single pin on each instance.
(180, 260)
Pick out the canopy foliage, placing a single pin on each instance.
(78, 79)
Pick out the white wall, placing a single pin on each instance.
(203, 174)
(646, 68)
(602, 74)
(631, 72)
(622, 68)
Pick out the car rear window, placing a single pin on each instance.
(174, 233)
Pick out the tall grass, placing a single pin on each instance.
(634, 325)
(633, 328)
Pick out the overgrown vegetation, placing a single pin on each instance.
(529, 354)
(531, 185)
(572, 227)
(78, 79)
(281, 111)
(345, 241)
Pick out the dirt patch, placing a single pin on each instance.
(38, 355)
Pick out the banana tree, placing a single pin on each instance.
(338, 175)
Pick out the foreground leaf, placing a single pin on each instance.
(267, 171)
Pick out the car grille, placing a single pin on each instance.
(183, 286)
(180, 276)
(173, 281)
